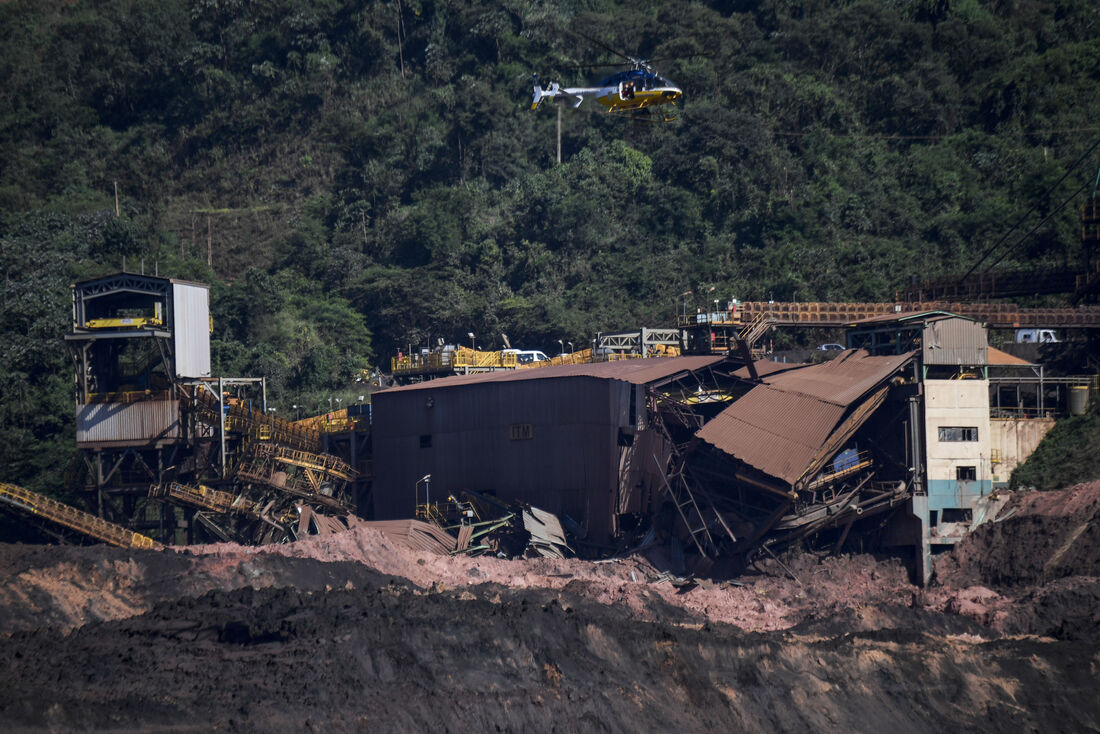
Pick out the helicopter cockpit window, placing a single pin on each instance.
(626, 91)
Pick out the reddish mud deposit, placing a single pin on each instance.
(352, 632)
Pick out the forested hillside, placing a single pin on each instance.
(362, 175)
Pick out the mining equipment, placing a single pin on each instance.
(172, 454)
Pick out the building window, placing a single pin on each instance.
(966, 473)
(426, 441)
(957, 433)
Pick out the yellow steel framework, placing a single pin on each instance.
(214, 500)
(72, 518)
(459, 360)
(262, 464)
(239, 419)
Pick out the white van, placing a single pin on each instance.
(528, 356)
(1036, 336)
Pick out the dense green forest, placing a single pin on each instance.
(353, 176)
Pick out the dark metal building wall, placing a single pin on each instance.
(568, 465)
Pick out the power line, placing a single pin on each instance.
(992, 248)
(871, 136)
(1042, 222)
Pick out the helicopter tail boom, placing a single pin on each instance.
(554, 91)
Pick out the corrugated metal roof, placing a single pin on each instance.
(634, 371)
(775, 431)
(907, 316)
(779, 426)
(841, 380)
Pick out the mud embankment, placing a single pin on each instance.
(386, 657)
(352, 633)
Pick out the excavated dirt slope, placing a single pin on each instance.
(352, 633)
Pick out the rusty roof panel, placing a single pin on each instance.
(1000, 359)
(775, 431)
(842, 380)
(635, 371)
(779, 426)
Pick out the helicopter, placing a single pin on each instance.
(625, 92)
(631, 91)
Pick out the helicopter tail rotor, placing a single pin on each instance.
(536, 100)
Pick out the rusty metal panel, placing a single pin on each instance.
(841, 380)
(774, 431)
(191, 329)
(131, 423)
(779, 427)
(635, 371)
(955, 341)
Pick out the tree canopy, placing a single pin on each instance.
(356, 176)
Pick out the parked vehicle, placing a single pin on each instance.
(1036, 336)
(831, 348)
(528, 356)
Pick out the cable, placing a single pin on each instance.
(1044, 220)
(989, 251)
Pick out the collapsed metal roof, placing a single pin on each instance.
(634, 371)
(781, 426)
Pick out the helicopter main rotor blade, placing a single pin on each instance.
(594, 66)
(681, 56)
(605, 47)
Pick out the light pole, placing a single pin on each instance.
(570, 347)
(297, 412)
(561, 347)
(684, 295)
(426, 480)
(471, 335)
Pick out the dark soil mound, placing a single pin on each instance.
(388, 658)
(1039, 537)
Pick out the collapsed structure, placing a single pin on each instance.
(719, 456)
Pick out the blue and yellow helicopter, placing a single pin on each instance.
(631, 91)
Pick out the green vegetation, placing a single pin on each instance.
(364, 174)
(1066, 456)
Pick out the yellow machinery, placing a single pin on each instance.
(58, 512)
(119, 323)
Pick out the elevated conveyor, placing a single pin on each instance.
(996, 315)
(256, 425)
(39, 506)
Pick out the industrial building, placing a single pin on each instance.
(172, 451)
(901, 439)
(577, 440)
(726, 457)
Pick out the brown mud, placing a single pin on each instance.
(353, 633)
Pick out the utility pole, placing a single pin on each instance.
(558, 107)
(118, 211)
